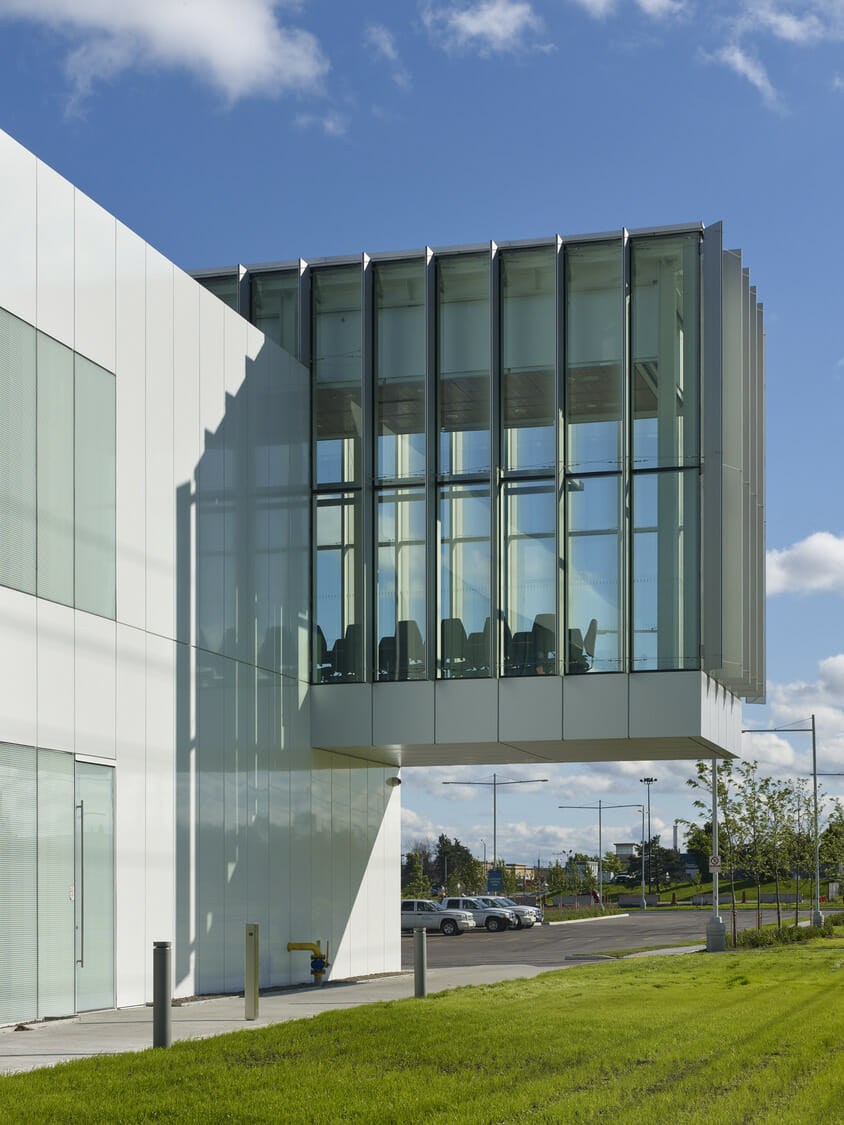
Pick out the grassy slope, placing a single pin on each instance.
(753, 1037)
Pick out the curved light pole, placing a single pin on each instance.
(495, 783)
(649, 781)
(600, 805)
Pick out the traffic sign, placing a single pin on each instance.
(714, 863)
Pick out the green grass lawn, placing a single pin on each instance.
(748, 1037)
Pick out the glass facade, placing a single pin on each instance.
(507, 456)
(57, 471)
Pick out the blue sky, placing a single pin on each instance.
(247, 130)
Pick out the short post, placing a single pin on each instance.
(420, 962)
(250, 975)
(162, 1031)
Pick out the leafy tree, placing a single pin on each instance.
(611, 864)
(699, 844)
(456, 867)
(508, 878)
(415, 884)
(832, 837)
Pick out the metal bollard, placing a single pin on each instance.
(250, 979)
(420, 963)
(162, 1031)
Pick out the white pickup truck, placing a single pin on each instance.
(495, 918)
(421, 913)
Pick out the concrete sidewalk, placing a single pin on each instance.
(130, 1029)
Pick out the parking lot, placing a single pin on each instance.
(550, 945)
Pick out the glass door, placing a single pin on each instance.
(94, 895)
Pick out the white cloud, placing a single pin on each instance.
(237, 46)
(661, 8)
(597, 8)
(746, 66)
(838, 84)
(382, 42)
(333, 124)
(487, 26)
(814, 565)
(793, 27)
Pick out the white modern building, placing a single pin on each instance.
(473, 505)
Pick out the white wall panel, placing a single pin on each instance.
(18, 671)
(303, 869)
(665, 704)
(131, 427)
(132, 953)
(160, 781)
(17, 229)
(56, 240)
(402, 713)
(236, 763)
(211, 869)
(340, 867)
(160, 496)
(467, 711)
(56, 675)
(185, 442)
(94, 685)
(341, 714)
(95, 276)
(595, 706)
(530, 708)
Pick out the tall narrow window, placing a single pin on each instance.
(337, 373)
(338, 595)
(401, 584)
(528, 348)
(400, 369)
(465, 605)
(593, 638)
(593, 356)
(275, 308)
(665, 570)
(463, 334)
(666, 351)
(529, 579)
(94, 492)
(17, 453)
(55, 471)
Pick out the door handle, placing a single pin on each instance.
(81, 959)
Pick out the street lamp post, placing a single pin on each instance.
(495, 783)
(649, 781)
(599, 807)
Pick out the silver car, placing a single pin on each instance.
(526, 916)
(495, 917)
(421, 913)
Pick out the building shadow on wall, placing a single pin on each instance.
(259, 838)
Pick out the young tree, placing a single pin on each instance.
(775, 813)
(750, 816)
(415, 884)
(611, 864)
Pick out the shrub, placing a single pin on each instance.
(788, 935)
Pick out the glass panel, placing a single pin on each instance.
(529, 573)
(94, 887)
(18, 906)
(338, 595)
(95, 530)
(401, 585)
(400, 369)
(275, 308)
(223, 287)
(465, 606)
(594, 341)
(665, 346)
(55, 471)
(56, 889)
(528, 349)
(666, 570)
(463, 363)
(17, 453)
(337, 373)
(593, 567)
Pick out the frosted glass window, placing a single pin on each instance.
(338, 592)
(530, 579)
(594, 338)
(94, 545)
(55, 471)
(18, 905)
(275, 308)
(337, 373)
(400, 369)
(465, 587)
(593, 638)
(17, 454)
(528, 350)
(666, 351)
(56, 954)
(400, 604)
(463, 353)
(666, 570)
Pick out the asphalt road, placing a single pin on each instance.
(551, 945)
